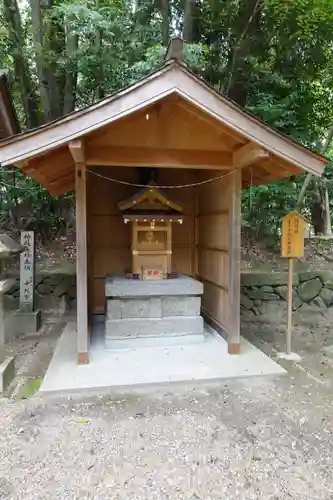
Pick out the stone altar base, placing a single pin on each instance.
(153, 308)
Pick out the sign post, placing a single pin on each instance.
(27, 270)
(27, 318)
(292, 245)
(290, 304)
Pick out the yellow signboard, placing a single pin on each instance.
(292, 241)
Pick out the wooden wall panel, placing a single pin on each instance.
(111, 261)
(182, 234)
(213, 266)
(182, 260)
(213, 197)
(212, 247)
(215, 302)
(103, 195)
(109, 231)
(110, 238)
(213, 231)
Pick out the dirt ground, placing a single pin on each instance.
(255, 438)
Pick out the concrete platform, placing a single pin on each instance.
(158, 364)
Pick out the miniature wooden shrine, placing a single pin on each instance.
(151, 213)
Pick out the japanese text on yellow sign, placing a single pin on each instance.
(292, 242)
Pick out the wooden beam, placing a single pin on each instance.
(68, 176)
(234, 262)
(21, 164)
(170, 158)
(81, 257)
(51, 161)
(62, 185)
(248, 155)
(77, 151)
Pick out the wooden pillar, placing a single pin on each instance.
(76, 148)
(234, 262)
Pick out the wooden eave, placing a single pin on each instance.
(43, 153)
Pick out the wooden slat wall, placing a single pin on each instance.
(110, 238)
(212, 248)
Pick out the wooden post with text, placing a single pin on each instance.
(292, 246)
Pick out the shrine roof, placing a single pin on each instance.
(136, 127)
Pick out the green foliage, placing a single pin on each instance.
(272, 56)
(264, 206)
(26, 205)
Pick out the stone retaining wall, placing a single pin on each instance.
(265, 294)
(52, 291)
(262, 294)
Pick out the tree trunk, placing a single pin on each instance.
(21, 69)
(320, 209)
(165, 21)
(327, 214)
(49, 45)
(38, 41)
(247, 27)
(55, 46)
(99, 74)
(143, 11)
(188, 20)
(70, 86)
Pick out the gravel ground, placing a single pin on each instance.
(259, 438)
(256, 438)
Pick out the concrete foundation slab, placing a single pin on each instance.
(118, 368)
(25, 322)
(328, 350)
(151, 327)
(135, 343)
(7, 372)
(289, 356)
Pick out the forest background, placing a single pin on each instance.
(272, 57)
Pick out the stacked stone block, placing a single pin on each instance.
(162, 308)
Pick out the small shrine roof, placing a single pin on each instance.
(150, 200)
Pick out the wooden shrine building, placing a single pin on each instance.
(174, 122)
